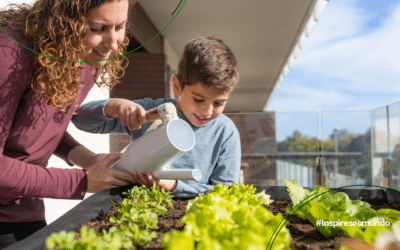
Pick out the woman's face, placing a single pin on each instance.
(106, 30)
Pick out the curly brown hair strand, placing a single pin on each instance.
(57, 29)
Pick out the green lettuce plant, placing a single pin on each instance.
(354, 218)
(138, 216)
(111, 240)
(228, 218)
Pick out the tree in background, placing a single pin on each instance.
(347, 142)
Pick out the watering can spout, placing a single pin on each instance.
(178, 174)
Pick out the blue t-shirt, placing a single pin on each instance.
(216, 153)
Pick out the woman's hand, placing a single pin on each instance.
(129, 113)
(101, 177)
(147, 179)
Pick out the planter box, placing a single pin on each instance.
(373, 196)
(88, 209)
(99, 204)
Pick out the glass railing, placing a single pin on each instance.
(386, 146)
(346, 148)
(278, 146)
(297, 144)
(308, 147)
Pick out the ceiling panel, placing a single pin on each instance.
(261, 34)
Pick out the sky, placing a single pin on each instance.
(350, 60)
(348, 67)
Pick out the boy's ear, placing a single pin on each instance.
(176, 87)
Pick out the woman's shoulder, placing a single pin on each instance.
(15, 39)
(15, 47)
(16, 61)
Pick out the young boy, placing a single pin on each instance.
(207, 74)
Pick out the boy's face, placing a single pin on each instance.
(198, 103)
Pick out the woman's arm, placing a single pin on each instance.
(20, 179)
(82, 157)
(99, 175)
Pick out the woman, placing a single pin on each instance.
(38, 96)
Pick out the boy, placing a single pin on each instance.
(207, 74)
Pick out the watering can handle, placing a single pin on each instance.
(151, 116)
(158, 112)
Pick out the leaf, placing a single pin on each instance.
(113, 219)
(389, 214)
(396, 229)
(264, 198)
(296, 192)
(346, 217)
(242, 222)
(139, 206)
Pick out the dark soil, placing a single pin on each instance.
(166, 222)
(305, 236)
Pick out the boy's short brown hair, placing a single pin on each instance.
(210, 62)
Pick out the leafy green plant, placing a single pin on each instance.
(264, 198)
(143, 206)
(227, 218)
(90, 240)
(339, 215)
(138, 215)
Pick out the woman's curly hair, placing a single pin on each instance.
(57, 29)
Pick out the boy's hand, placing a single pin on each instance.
(129, 113)
(147, 179)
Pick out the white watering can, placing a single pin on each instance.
(166, 140)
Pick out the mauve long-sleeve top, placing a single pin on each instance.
(30, 132)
